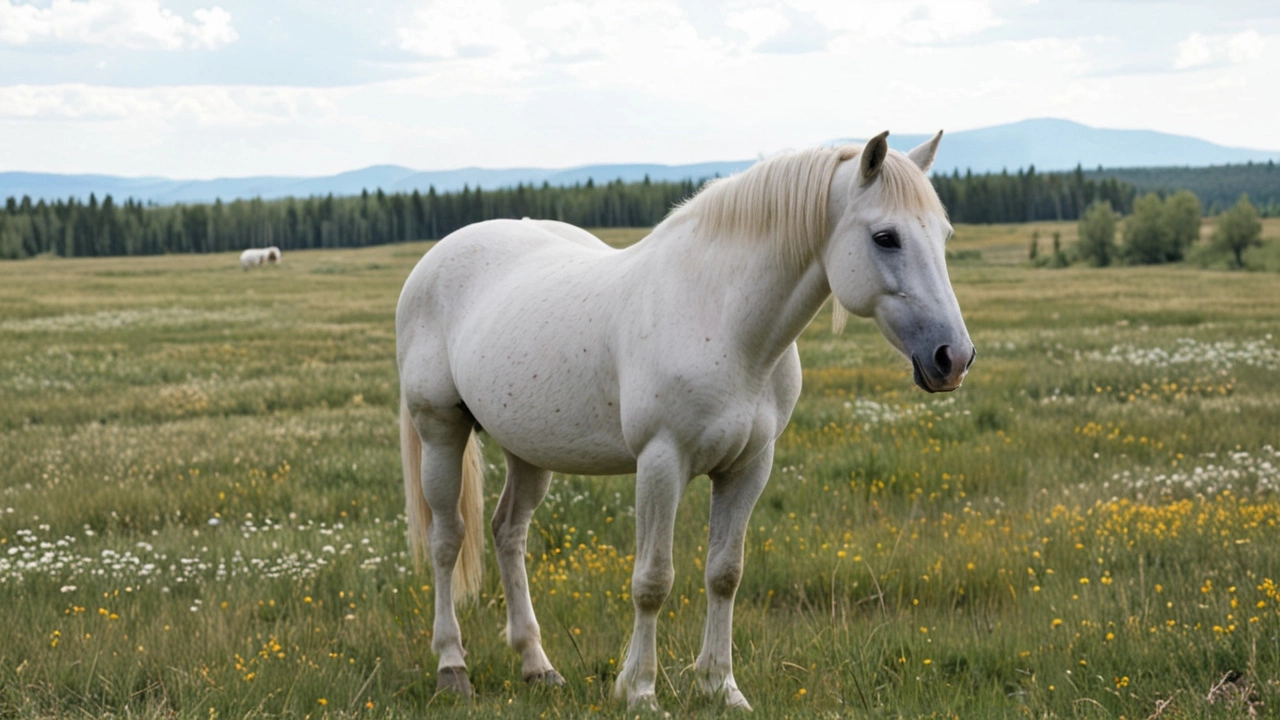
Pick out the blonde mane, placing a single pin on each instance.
(784, 199)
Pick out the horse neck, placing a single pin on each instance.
(758, 299)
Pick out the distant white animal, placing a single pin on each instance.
(254, 257)
(672, 358)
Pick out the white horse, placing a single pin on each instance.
(253, 257)
(672, 358)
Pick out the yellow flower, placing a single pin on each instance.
(322, 701)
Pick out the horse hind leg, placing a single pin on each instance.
(525, 488)
(443, 449)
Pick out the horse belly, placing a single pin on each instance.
(536, 372)
(553, 414)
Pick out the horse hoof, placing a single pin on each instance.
(454, 680)
(550, 678)
(735, 701)
(644, 703)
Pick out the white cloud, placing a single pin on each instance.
(610, 29)
(1198, 50)
(131, 24)
(450, 29)
(1193, 52)
(946, 20)
(213, 28)
(759, 24)
(922, 21)
(204, 106)
(1245, 46)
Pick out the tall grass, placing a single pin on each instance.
(200, 511)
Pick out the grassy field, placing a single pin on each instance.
(200, 507)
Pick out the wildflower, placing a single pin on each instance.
(1056, 622)
(322, 701)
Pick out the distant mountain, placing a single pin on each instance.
(1047, 143)
(389, 178)
(1052, 144)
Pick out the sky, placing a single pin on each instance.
(228, 88)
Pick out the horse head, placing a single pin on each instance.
(886, 259)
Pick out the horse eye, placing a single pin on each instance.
(887, 239)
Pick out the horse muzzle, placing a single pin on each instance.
(944, 371)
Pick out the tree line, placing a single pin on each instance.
(1218, 187)
(94, 228)
(1027, 196)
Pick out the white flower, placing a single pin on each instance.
(68, 588)
(214, 522)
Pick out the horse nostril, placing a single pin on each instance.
(942, 360)
(973, 356)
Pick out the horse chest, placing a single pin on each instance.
(724, 417)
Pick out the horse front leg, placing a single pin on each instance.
(661, 475)
(733, 496)
(526, 487)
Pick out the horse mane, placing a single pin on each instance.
(784, 198)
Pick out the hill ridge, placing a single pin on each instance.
(1049, 144)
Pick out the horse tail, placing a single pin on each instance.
(467, 572)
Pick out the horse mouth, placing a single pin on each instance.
(917, 374)
(926, 383)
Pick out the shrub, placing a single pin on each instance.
(1161, 231)
(1237, 230)
(1181, 221)
(1097, 244)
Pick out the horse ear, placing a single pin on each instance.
(873, 157)
(924, 153)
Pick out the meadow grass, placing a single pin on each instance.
(200, 507)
